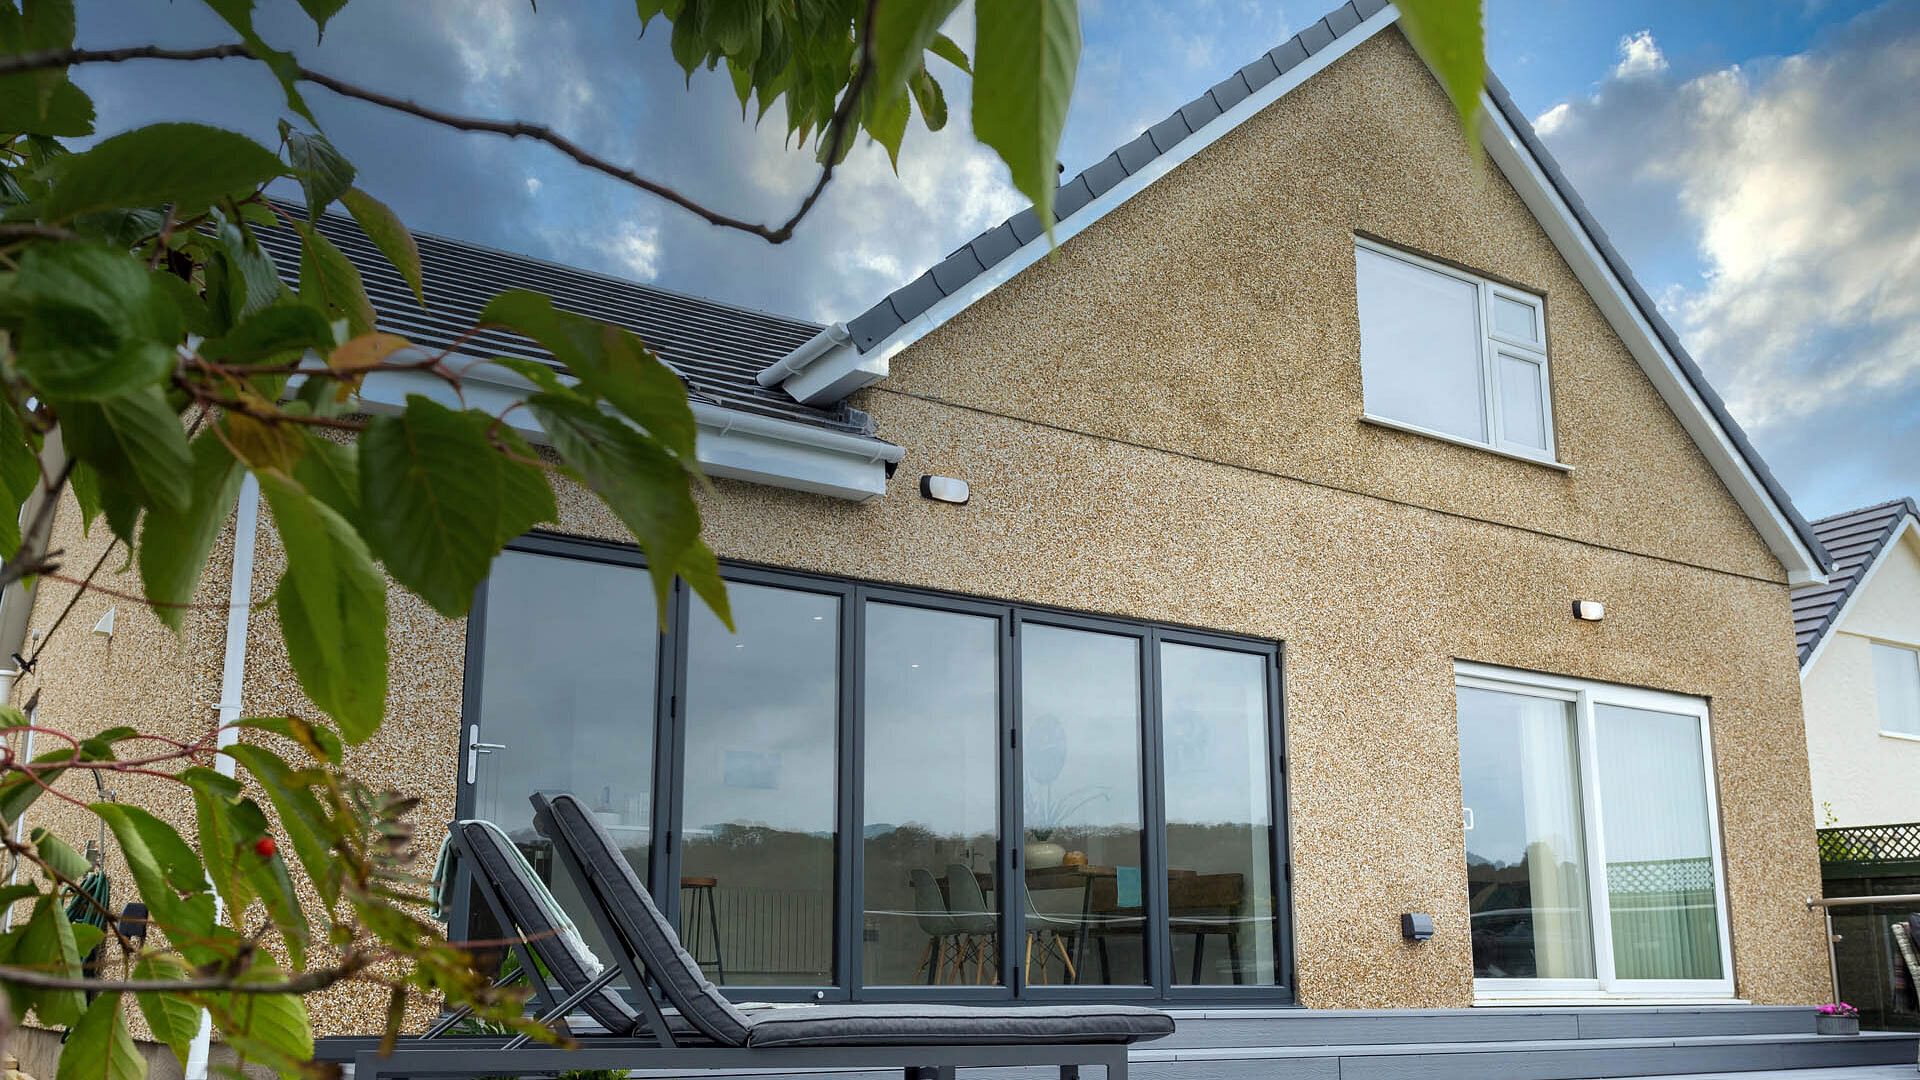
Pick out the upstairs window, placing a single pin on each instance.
(1896, 686)
(1452, 355)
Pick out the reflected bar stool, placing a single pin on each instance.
(696, 893)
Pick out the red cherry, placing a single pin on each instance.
(265, 847)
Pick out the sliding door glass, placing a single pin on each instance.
(759, 806)
(931, 796)
(1658, 836)
(1080, 744)
(1527, 889)
(1213, 720)
(568, 666)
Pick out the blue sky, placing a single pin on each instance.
(1759, 164)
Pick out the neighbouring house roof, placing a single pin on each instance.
(1857, 541)
(856, 353)
(717, 348)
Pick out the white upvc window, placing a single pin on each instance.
(1896, 689)
(1594, 864)
(1453, 355)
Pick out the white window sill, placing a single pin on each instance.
(1517, 1000)
(1415, 429)
(1901, 735)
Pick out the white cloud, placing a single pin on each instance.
(636, 248)
(1797, 182)
(1640, 56)
(533, 185)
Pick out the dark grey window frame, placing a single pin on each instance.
(853, 595)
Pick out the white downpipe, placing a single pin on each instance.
(233, 671)
(796, 361)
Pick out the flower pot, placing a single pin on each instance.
(1045, 855)
(1836, 1025)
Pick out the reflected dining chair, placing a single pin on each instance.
(930, 911)
(978, 927)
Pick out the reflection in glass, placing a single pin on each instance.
(1659, 844)
(932, 796)
(1219, 819)
(1526, 858)
(758, 818)
(1420, 346)
(567, 671)
(1080, 744)
(1521, 419)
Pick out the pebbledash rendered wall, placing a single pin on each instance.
(1161, 421)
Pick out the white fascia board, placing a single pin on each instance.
(1520, 168)
(843, 369)
(737, 445)
(1906, 528)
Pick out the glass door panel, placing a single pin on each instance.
(568, 666)
(1527, 891)
(759, 812)
(1083, 843)
(1213, 722)
(1658, 836)
(932, 797)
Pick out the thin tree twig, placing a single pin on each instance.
(839, 124)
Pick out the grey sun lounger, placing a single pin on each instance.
(679, 1022)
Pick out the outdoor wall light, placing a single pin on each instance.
(1415, 926)
(944, 489)
(1589, 610)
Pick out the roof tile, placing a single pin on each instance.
(873, 325)
(1137, 153)
(1289, 53)
(1230, 91)
(1316, 37)
(1343, 18)
(1072, 197)
(995, 244)
(1853, 540)
(1026, 225)
(1101, 178)
(1259, 73)
(1200, 110)
(956, 270)
(1167, 133)
(1367, 9)
(919, 294)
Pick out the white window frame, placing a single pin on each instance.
(1493, 345)
(1879, 719)
(1586, 695)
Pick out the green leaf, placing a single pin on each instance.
(246, 280)
(173, 1019)
(333, 609)
(441, 500)
(331, 283)
(214, 798)
(324, 173)
(931, 99)
(48, 945)
(239, 15)
(278, 332)
(1025, 55)
(174, 544)
(330, 472)
(269, 1028)
(18, 790)
(137, 445)
(19, 456)
(306, 824)
(169, 875)
(320, 11)
(41, 102)
(90, 322)
(610, 362)
(86, 937)
(86, 483)
(947, 49)
(267, 877)
(318, 740)
(542, 376)
(55, 853)
(100, 1047)
(188, 302)
(886, 120)
(184, 164)
(383, 227)
(643, 486)
(1448, 35)
(901, 35)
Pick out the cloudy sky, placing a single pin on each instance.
(1759, 164)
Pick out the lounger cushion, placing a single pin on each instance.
(507, 871)
(923, 1025)
(648, 931)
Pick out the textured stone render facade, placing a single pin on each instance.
(1160, 421)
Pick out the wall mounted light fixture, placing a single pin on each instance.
(1589, 610)
(945, 489)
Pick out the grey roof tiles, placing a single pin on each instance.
(717, 348)
(1853, 540)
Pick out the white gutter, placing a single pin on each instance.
(233, 670)
(811, 349)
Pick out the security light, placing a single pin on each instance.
(1589, 610)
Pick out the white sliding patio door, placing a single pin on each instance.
(1593, 851)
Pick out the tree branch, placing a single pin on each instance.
(839, 125)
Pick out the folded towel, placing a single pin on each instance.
(445, 869)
